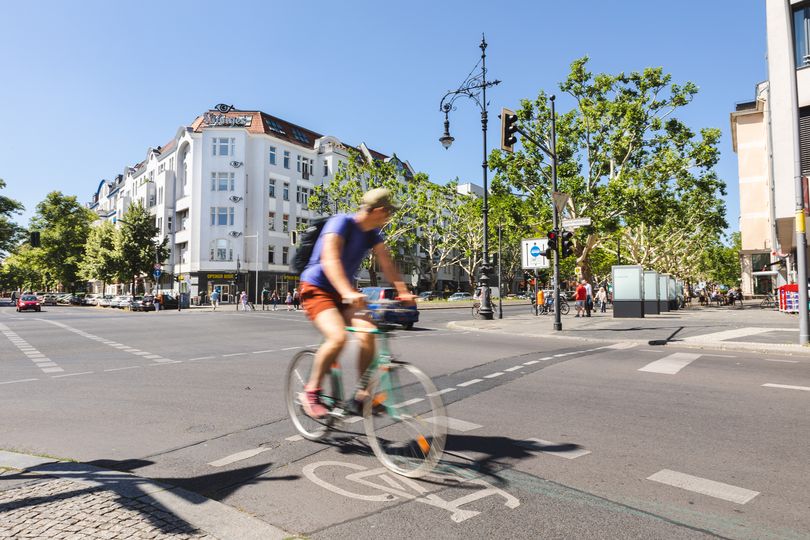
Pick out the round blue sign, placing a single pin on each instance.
(535, 251)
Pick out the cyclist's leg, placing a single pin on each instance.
(331, 324)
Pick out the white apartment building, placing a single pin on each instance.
(226, 191)
(762, 136)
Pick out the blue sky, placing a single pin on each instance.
(88, 86)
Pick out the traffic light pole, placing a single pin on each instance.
(555, 220)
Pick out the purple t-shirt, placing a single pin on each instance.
(357, 244)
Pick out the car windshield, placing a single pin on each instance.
(29, 298)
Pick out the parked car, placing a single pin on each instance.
(147, 303)
(104, 301)
(117, 301)
(386, 309)
(455, 297)
(90, 300)
(76, 299)
(49, 299)
(28, 302)
(430, 295)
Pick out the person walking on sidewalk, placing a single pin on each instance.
(243, 298)
(158, 301)
(296, 299)
(215, 299)
(579, 299)
(588, 297)
(601, 296)
(274, 299)
(288, 301)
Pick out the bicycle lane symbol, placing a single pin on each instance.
(395, 487)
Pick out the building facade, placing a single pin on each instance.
(226, 191)
(762, 136)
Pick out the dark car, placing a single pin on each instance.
(147, 303)
(28, 302)
(386, 309)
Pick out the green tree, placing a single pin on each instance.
(64, 224)
(721, 263)
(102, 261)
(434, 214)
(10, 232)
(19, 271)
(136, 245)
(466, 233)
(624, 158)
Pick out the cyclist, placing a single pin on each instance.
(330, 301)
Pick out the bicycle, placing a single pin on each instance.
(768, 302)
(476, 310)
(548, 307)
(403, 416)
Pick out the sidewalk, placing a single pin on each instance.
(729, 328)
(46, 498)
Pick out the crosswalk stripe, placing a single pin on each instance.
(672, 364)
(454, 423)
(554, 449)
(718, 490)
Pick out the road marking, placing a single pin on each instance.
(294, 438)
(515, 368)
(546, 358)
(468, 383)
(107, 342)
(778, 360)
(239, 456)
(254, 352)
(39, 359)
(620, 346)
(153, 356)
(554, 448)
(142, 353)
(166, 363)
(201, 358)
(787, 386)
(122, 368)
(454, 423)
(291, 348)
(672, 364)
(704, 486)
(71, 374)
(409, 402)
(531, 362)
(493, 375)
(18, 380)
(233, 354)
(731, 334)
(440, 392)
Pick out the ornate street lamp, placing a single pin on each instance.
(474, 87)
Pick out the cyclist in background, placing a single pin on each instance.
(329, 298)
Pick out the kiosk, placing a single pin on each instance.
(651, 293)
(628, 291)
(663, 293)
(672, 293)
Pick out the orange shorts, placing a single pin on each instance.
(315, 300)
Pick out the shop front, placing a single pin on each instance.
(225, 282)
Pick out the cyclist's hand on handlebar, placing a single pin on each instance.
(407, 298)
(355, 298)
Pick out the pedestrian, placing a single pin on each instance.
(158, 301)
(588, 297)
(274, 299)
(265, 297)
(540, 301)
(244, 300)
(296, 299)
(579, 299)
(215, 299)
(289, 300)
(601, 296)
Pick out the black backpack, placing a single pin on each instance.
(306, 244)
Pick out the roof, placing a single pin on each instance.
(257, 122)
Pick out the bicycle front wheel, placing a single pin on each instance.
(476, 312)
(405, 420)
(564, 308)
(297, 376)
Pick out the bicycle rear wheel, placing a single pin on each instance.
(297, 376)
(476, 311)
(564, 308)
(410, 428)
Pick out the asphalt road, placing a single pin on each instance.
(555, 438)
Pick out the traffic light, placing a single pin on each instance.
(552, 244)
(34, 241)
(508, 130)
(566, 245)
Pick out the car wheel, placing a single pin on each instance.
(408, 326)
(38, 310)
(18, 310)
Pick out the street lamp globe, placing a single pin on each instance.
(446, 139)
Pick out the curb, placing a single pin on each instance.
(213, 517)
(692, 344)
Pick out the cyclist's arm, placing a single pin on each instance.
(333, 266)
(390, 270)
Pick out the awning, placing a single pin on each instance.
(765, 273)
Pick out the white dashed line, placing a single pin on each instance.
(52, 370)
(515, 368)
(409, 402)
(620, 346)
(291, 348)
(239, 456)
(440, 392)
(718, 490)
(18, 380)
(166, 363)
(778, 360)
(547, 358)
(201, 358)
(254, 352)
(787, 386)
(122, 368)
(493, 375)
(531, 362)
(233, 354)
(468, 383)
(72, 374)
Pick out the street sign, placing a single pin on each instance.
(532, 253)
(157, 266)
(559, 199)
(574, 223)
(157, 272)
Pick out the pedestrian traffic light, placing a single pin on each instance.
(552, 244)
(566, 244)
(34, 239)
(508, 130)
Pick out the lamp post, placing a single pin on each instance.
(475, 87)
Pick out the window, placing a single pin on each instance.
(272, 155)
(286, 159)
(326, 167)
(271, 221)
(801, 36)
(285, 254)
(271, 254)
(298, 163)
(223, 146)
(271, 190)
(302, 195)
(286, 193)
(221, 250)
(222, 181)
(301, 223)
(161, 168)
(285, 223)
(222, 215)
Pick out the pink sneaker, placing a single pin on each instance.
(311, 402)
